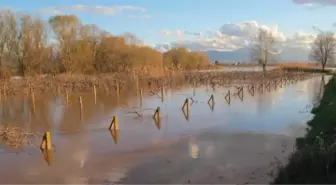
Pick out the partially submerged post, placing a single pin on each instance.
(114, 123)
(162, 94)
(268, 86)
(156, 115)
(33, 98)
(251, 90)
(95, 94)
(46, 142)
(81, 107)
(186, 114)
(241, 93)
(157, 118)
(186, 105)
(118, 92)
(275, 84)
(261, 88)
(140, 97)
(228, 97)
(66, 96)
(186, 109)
(211, 101)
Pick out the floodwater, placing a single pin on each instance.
(237, 143)
(238, 68)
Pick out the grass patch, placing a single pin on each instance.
(315, 158)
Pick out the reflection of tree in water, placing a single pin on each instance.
(317, 89)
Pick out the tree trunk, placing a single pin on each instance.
(264, 69)
(323, 65)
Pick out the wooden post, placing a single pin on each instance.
(186, 105)
(46, 142)
(211, 100)
(194, 88)
(261, 87)
(268, 86)
(251, 90)
(58, 90)
(67, 96)
(95, 94)
(33, 98)
(140, 97)
(241, 91)
(118, 92)
(5, 91)
(228, 97)
(186, 114)
(156, 115)
(162, 94)
(157, 120)
(114, 123)
(81, 107)
(137, 85)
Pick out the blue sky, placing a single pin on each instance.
(191, 15)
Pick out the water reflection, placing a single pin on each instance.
(47, 155)
(84, 147)
(115, 135)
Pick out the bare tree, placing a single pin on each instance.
(66, 29)
(324, 48)
(264, 48)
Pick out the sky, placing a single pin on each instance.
(197, 24)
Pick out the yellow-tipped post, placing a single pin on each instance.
(114, 123)
(46, 142)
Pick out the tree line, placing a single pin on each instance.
(30, 45)
(323, 49)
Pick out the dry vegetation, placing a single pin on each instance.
(296, 65)
(14, 136)
(31, 46)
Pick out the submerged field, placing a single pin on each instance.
(236, 139)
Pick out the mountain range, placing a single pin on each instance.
(243, 55)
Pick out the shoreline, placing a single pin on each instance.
(314, 159)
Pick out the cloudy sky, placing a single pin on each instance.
(222, 25)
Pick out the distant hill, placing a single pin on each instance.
(243, 55)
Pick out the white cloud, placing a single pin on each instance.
(176, 33)
(139, 16)
(315, 2)
(233, 36)
(105, 10)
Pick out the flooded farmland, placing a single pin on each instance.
(226, 142)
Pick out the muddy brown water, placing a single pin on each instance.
(237, 143)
